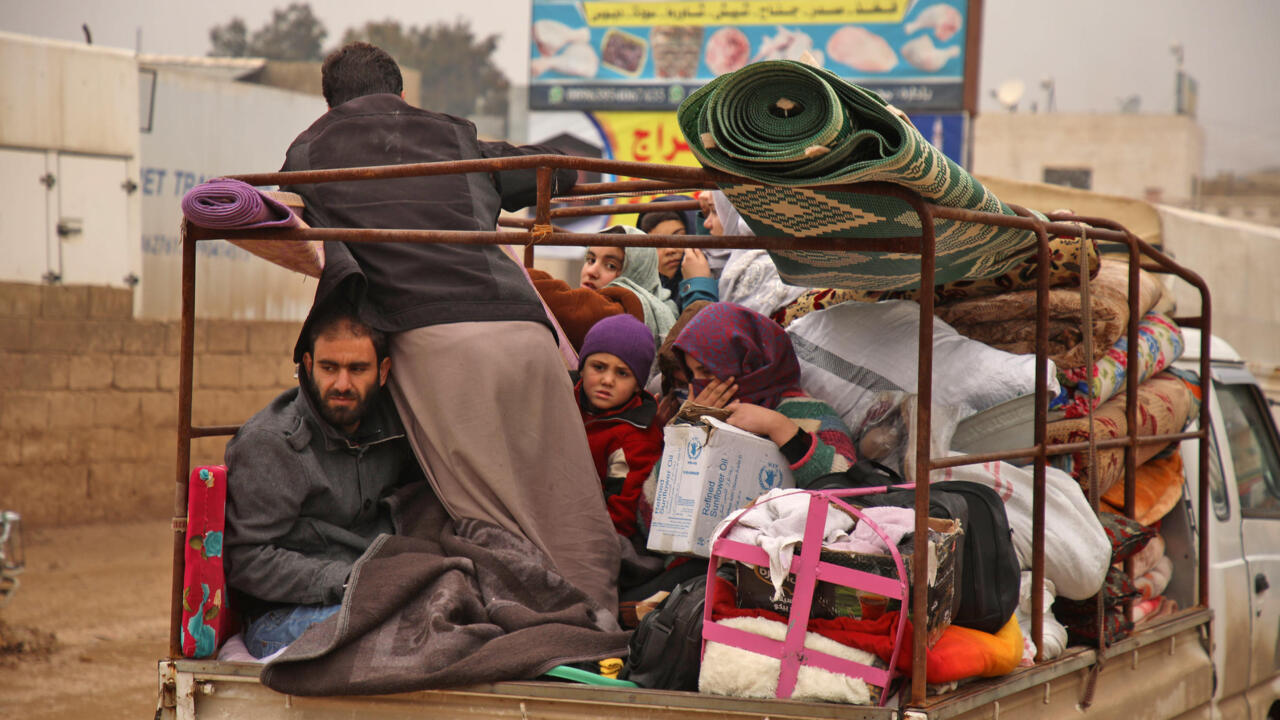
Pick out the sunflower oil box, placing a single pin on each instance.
(708, 470)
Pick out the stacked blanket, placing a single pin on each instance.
(1165, 403)
(1008, 321)
(1159, 344)
(1068, 258)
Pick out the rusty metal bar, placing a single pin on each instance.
(186, 362)
(670, 179)
(645, 171)
(1040, 436)
(923, 455)
(623, 208)
(586, 191)
(472, 237)
(199, 431)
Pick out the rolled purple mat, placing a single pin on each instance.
(223, 204)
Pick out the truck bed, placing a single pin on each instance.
(1163, 671)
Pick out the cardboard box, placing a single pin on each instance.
(755, 589)
(708, 470)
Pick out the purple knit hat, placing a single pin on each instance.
(624, 336)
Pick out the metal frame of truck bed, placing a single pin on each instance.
(661, 179)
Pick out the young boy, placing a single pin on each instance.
(626, 443)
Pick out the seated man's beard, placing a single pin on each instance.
(340, 417)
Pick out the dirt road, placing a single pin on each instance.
(102, 591)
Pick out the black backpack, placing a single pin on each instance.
(988, 571)
(666, 648)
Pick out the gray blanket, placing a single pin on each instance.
(444, 604)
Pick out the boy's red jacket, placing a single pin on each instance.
(625, 445)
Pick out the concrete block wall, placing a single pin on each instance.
(89, 402)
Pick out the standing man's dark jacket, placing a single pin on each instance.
(400, 286)
(304, 500)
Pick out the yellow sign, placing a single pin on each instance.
(652, 137)
(744, 12)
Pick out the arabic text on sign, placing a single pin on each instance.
(743, 12)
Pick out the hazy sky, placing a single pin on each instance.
(1098, 52)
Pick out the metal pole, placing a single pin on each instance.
(185, 362)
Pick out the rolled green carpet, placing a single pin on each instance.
(794, 127)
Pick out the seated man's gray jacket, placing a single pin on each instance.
(304, 501)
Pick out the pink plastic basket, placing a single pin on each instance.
(808, 568)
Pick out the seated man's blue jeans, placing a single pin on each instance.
(277, 628)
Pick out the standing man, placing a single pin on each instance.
(479, 383)
(308, 478)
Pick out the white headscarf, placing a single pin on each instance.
(640, 276)
(749, 277)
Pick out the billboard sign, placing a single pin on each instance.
(650, 54)
(655, 137)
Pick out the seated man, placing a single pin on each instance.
(307, 482)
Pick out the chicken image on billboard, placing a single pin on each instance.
(588, 55)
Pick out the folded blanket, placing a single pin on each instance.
(1080, 617)
(1153, 609)
(1165, 403)
(775, 522)
(443, 605)
(1154, 581)
(1159, 344)
(958, 654)
(1157, 489)
(1067, 257)
(1146, 558)
(796, 127)
(1008, 321)
(729, 670)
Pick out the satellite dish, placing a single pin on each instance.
(1010, 92)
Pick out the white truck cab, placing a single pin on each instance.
(1244, 534)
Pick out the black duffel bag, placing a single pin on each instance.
(666, 648)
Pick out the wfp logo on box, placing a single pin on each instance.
(770, 476)
(694, 449)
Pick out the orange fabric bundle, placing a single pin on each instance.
(1157, 488)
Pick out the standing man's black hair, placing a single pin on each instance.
(358, 69)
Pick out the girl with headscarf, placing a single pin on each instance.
(738, 359)
(684, 272)
(625, 282)
(640, 276)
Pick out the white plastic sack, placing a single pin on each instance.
(1055, 635)
(853, 352)
(1076, 549)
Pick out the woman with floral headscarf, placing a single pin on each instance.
(741, 360)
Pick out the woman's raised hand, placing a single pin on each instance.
(717, 393)
(695, 264)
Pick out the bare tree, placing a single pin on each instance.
(458, 73)
(293, 33)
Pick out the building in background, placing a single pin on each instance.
(201, 120)
(69, 149)
(99, 145)
(1158, 158)
(1254, 197)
